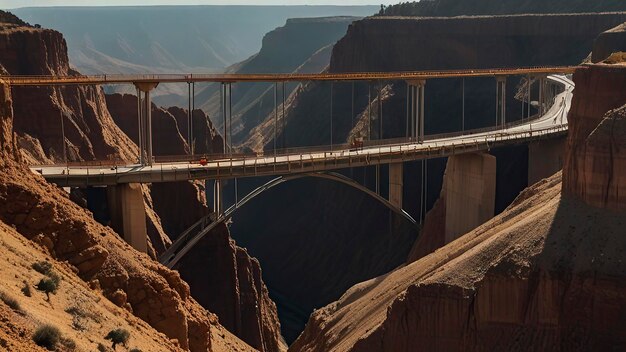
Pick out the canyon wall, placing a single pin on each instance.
(546, 274)
(594, 163)
(609, 42)
(44, 115)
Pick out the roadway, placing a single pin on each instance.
(305, 160)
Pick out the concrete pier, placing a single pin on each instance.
(470, 184)
(128, 215)
(396, 184)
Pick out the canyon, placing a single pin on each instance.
(312, 265)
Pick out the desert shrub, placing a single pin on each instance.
(10, 301)
(45, 268)
(135, 350)
(42, 267)
(118, 336)
(68, 343)
(102, 348)
(26, 290)
(47, 286)
(47, 336)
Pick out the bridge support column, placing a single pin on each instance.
(545, 158)
(416, 109)
(396, 183)
(144, 111)
(542, 94)
(217, 198)
(470, 184)
(128, 214)
(501, 101)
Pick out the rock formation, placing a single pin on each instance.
(46, 114)
(546, 274)
(594, 164)
(609, 42)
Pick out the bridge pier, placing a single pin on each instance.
(217, 198)
(144, 112)
(501, 101)
(416, 109)
(470, 184)
(545, 158)
(128, 214)
(396, 184)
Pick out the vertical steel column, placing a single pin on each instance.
(331, 116)
(422, 85)
(140, 128)
(352, 114)
(500, 101)
(463, 105)
(192, 146)
(63, 137)
(378, 179)
(541, 95)
(284, 131)
(369, 111)
(189, 117)
(230, 118)
(223, 103)
(148, 113)
(414, 102)
(422, 192)
(408, 104)
(529, 105)
(217, 197)
(380, 110)
(275, 117)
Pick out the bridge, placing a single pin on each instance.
(472, 172)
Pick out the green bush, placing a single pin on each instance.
(47, 336)
(10, 301)
(118, 336)
(47, 286)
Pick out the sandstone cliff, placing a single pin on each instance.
(594, 163)
(46, 114)
(609, 42)
(546, 274)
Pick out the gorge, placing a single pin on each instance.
(313, 265)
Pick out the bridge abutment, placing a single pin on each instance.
(128, 214)
(470, 184)
(545, 158)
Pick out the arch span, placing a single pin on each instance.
(190, 237)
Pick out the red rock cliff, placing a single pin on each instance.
(44, 114)
(595, 163)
